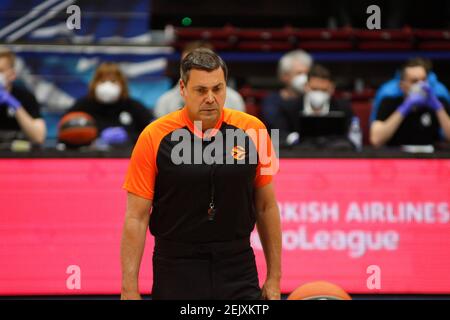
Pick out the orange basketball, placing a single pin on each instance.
(319, 290)
(77, 129)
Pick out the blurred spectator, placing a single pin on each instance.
(20, 117)
(415, 117)
(317, 100)
(172, 100)
(119, 118)
(392, 89)
(293, 68)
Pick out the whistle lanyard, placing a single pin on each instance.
(212, 205)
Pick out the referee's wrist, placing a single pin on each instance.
(274, 277)
(128, 288)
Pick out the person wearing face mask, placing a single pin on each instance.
(293, 69)
(317, 100)
(20, 117)
(416, 118)
(391, 88)
(119, 118)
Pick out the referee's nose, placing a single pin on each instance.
(210, 97)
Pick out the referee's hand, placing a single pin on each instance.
(271, 290)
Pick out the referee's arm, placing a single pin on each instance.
(269, 230)
(133, 243)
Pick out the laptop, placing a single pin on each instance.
(333, 124)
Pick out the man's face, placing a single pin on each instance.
(412, 76)
(6, 68)
(297, 69)
(204, 96)
(319, 84)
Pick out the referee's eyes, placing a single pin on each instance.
(203, 91)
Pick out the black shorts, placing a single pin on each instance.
(225, 271)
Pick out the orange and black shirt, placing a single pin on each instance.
(223, 168)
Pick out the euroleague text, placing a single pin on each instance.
(361, 227)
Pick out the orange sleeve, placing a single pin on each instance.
(267, 159)
(140, 177)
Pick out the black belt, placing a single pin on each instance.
(177, 249)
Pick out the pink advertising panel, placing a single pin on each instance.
(368, 225)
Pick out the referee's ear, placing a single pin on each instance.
(182, 89)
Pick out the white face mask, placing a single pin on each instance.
(318, 98)
(108, 92)
(3, 81)
(417, 88)
(298, 82)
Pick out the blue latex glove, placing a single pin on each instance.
(432, 101)
(114, 135)
(411, 101)
(9, 100)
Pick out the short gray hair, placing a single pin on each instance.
(287, 60)
(201, 59)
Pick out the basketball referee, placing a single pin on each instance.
(201, 209)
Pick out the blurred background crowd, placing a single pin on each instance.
(311, 69)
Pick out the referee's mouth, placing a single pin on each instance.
(208, 110)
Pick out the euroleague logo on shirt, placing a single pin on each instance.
(238, 153)
(215, 146)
